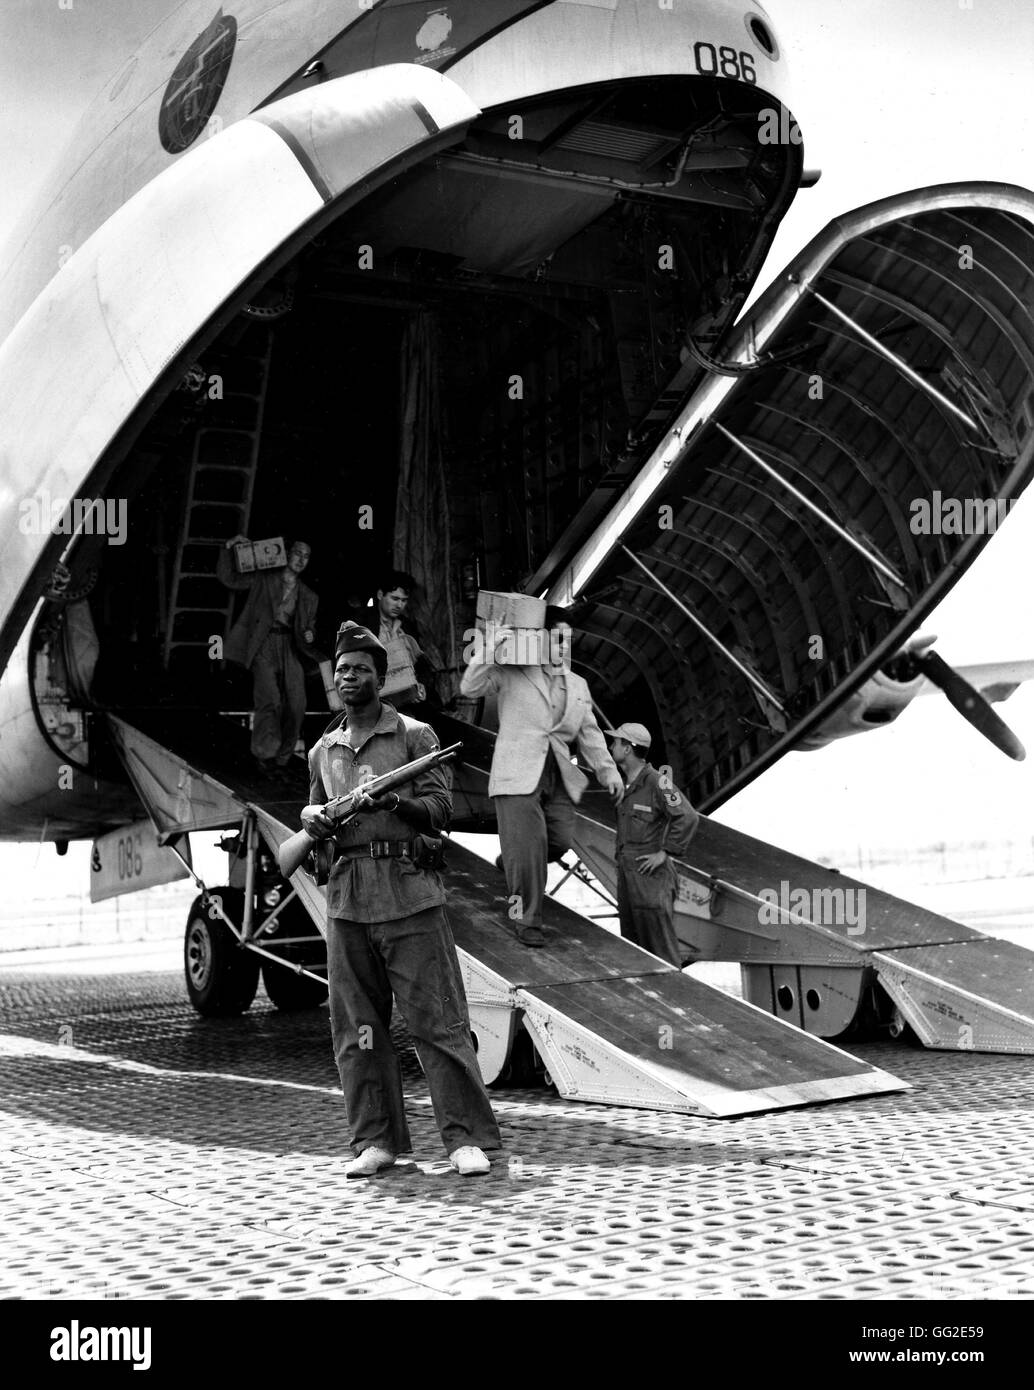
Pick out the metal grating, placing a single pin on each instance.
(152, 1155)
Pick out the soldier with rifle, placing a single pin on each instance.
(387, 932)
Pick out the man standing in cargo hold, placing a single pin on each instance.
(406, 662)
(533, 781)
(654, 821)
(275, 627)
(387, 932)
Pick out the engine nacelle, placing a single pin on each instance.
(879, 701)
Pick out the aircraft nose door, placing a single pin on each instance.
(116, 327)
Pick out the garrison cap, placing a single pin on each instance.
(351, 637)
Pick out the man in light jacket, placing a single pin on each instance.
(533, 782)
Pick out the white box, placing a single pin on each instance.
(260, 555)
(520, 646)
(510, 610)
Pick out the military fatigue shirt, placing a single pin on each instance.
(380, 890)
(651, 818)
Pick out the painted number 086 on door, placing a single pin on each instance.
(724, 62)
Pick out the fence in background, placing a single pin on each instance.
(946, 862)
(157, 914)
(160, 914)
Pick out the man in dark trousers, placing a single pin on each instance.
(654, 821)
(386, 927)
(269, 638)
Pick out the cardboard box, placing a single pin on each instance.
(510, 610)
(400, 680)
(519, 646)
(334, 700)
(260, 555)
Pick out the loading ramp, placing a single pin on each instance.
(854, 956)
(613, 1023)
(812, 942)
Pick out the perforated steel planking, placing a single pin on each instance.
(152, 1156)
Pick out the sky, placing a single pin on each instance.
(891, 95)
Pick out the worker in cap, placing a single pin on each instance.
(655, 821)
(353, 637)
(387, 932)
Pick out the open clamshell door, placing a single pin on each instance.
(835, 469)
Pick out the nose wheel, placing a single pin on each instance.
(221, 976)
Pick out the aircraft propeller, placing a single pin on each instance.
(916, 659)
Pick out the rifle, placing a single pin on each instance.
(293, 853)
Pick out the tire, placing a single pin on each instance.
(288, 991)
(221, 976)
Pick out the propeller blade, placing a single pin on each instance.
(970, 704)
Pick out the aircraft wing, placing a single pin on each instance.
(996, 680)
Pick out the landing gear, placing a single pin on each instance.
(900, 1030)
(524, 1067)
(222, 976)
(288, 990)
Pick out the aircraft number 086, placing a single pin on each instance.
(724, 62)
(130, 861)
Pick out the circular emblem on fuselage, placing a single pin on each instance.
(434, 31)
(196, 84)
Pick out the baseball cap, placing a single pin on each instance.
(638, 734)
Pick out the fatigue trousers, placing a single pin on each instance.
(646, 907)
(533, 829)
(415, 958)
(278, 685)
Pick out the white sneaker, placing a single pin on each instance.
(370, 1161)
(469, 1162)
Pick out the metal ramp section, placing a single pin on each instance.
(178, 797)
(812, 941)
(193, 772)
(970, 996)
(619, 1026)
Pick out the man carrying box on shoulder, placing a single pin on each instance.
(535, 785)
(409, 670)
(270, 637)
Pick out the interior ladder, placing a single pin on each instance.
(220, 486)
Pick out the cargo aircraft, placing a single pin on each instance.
(459, 287)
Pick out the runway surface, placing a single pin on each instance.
(147, 1153)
